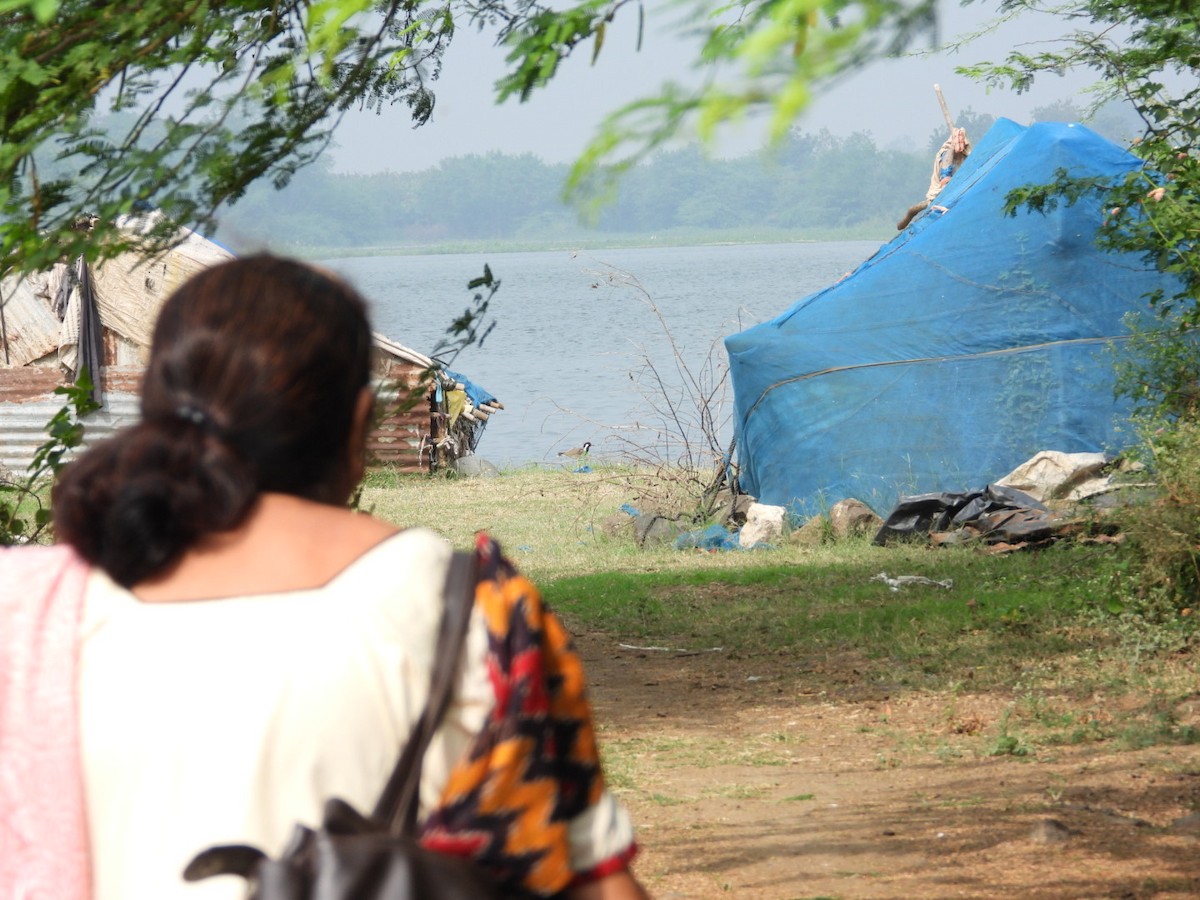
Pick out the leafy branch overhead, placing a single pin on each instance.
(754, 55)
(213, 95)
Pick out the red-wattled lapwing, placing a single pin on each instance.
(576, 452)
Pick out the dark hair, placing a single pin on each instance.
(255, 370)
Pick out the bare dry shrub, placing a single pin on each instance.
(679, 455)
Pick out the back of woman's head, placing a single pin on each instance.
(254, 376)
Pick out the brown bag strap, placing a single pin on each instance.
(397, 806)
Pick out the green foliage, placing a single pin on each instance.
(548, 36)
(1159, 372)
(210, 97)
(1008, 744)
(106, 107)
(472, 327)
(1165, 533)
(24, 515)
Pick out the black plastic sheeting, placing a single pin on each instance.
(995, 513)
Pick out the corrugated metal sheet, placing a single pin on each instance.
(21, 383)
(23, 425)
(406, 436)
(402, 439)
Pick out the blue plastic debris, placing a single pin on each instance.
(630, 509)
(582, 470)
(714, 537)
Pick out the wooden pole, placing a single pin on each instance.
(937, 89)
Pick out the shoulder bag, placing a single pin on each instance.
(352, 857)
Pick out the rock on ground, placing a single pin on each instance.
(764, 525)
(846, 518)
(852, 517)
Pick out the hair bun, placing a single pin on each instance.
(135, 502)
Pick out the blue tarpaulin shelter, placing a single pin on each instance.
(965, 345)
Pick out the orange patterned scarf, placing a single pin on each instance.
(535, 765)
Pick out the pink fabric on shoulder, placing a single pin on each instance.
(43, 825)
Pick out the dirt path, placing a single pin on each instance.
(749, 779)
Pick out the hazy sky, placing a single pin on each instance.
(893, 100)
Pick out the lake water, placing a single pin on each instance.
(579, 353)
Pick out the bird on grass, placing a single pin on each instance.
(576, 452)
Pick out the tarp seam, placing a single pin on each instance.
(928, 359)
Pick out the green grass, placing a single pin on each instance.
(995, 616)
(1033, 627)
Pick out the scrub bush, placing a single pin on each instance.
(1164, 532)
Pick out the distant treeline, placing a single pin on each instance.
(816, 181)
(812, 183)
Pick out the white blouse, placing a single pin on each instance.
(227, 721)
